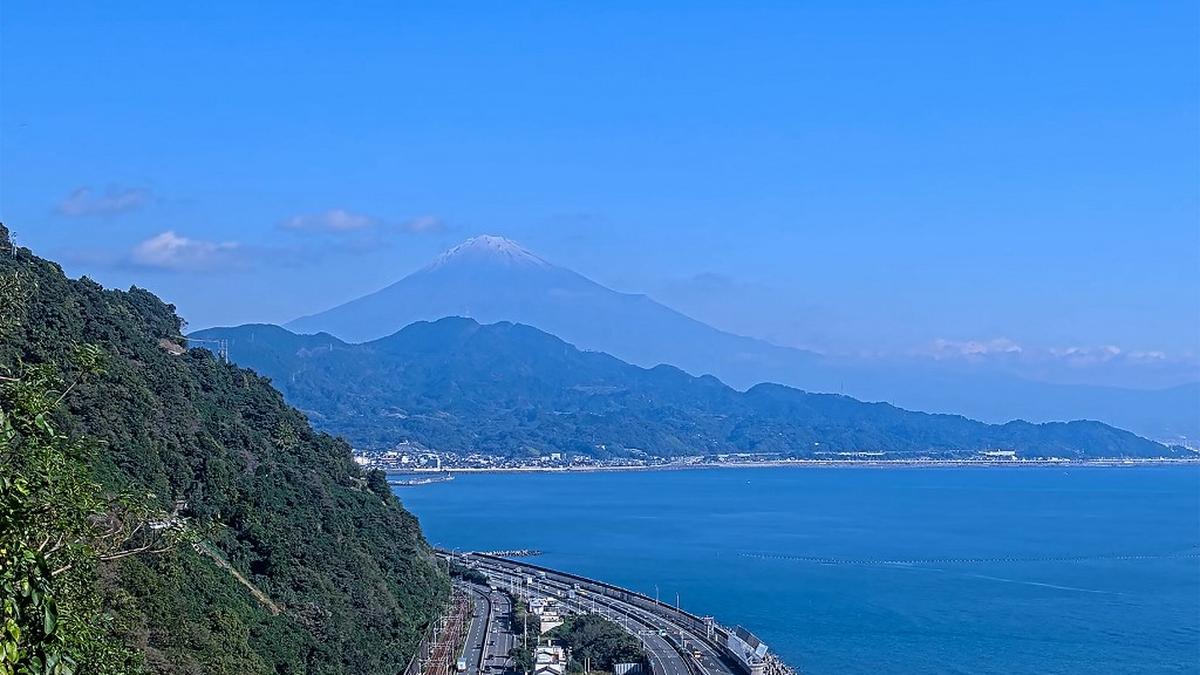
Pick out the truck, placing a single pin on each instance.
(461, 666)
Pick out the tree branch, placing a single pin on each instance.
(134, 551)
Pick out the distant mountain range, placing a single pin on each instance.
(493, 279)
(514, 390)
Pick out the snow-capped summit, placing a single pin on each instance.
(490, 278)
(489, 249)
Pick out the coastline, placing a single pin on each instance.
(827, 464)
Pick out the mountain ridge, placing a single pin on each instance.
(512, 389)
(476, 279)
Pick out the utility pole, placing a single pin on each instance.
(222, 345)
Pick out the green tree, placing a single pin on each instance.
(305, 566)
(522, 659)
(56, 526)
(593, 639)
(521, 619)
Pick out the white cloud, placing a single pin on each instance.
(343, 221)
(1153, 356)
(1086, 356)
(333, 220)
(1076, 357)
(84, 202)
(170, 251)
(424, 225)
(943, 348)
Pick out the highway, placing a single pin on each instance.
(502, 638)
(489, 638)
(476, 645)
(669, 644)
(664, 659)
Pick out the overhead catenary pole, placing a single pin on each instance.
(222, 345)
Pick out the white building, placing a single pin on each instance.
(546, 610)
(549, 661)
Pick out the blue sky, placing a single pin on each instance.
(886, 178)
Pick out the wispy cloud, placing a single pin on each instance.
(424, 225)
(1076, 356)
(172, 252)
(333, 220)
(84, 201)
(970, 349)
(1088, 355)
(346, 222)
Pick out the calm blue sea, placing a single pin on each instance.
(931, 570)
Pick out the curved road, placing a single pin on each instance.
(668, 644)
(489, 638)
(664, 659)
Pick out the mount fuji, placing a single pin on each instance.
(492, 279)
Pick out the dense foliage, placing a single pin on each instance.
(597, 642)
(469, 574)
(57, 525)
(508, 389)
(300, 563)
(528, 628)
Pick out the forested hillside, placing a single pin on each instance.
(510, 389)
(335, 574)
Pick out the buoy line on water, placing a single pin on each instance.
(1193, 552)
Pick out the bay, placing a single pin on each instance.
(862, 570)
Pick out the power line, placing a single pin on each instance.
(222, 345)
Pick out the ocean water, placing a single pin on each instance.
(855, 570)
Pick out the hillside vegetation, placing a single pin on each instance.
(509, 389)
(290, 560)
(595, 641)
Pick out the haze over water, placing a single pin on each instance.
(1024, 570)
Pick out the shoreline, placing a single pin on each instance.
(824, 464)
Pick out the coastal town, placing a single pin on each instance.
(422, 466)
